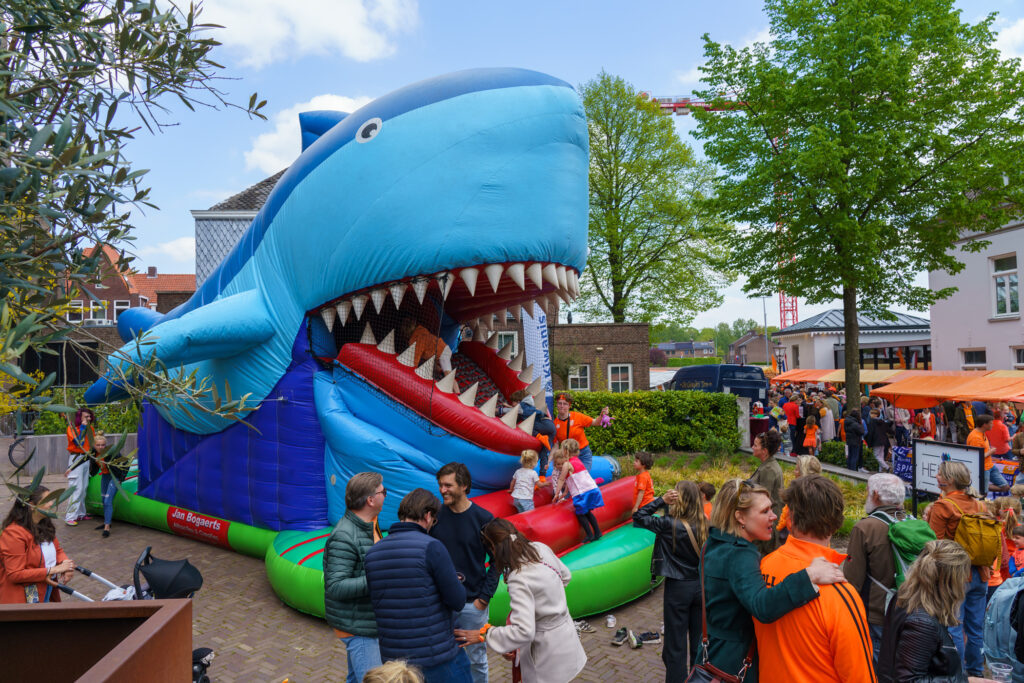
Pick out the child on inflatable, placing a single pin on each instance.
(542, 425)
(524, 481)
(574, 478)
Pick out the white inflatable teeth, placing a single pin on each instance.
(469, 276)
(514, 312)
(509, 418)
(492, 342)
(527, 424)
(516, 364)
(426, 370)
(397, 292)
(493, 273)
(501, 316)
(551, 274)
(468, 397)
(408, 357)
(328, 314)
(535, 273)
(387, 345)
(343, 308)
(527, 374)
(563, 282)
(368, 336)
(490, 406)
(419, 285)
(447, 383)
(515, 271)
(526, 310)
(378, 296)
(563, 295)
(535, 386)
(506, 352)
(445, 281)
(479, 335)
(573, 281)
(358, 304)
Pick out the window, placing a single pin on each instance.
(579, 378)
(120, 306)
(974, 359)
(620, 377)
(796, 357)
(506, 337)
(1006, 285)
(1018, 358)
(98, 310)
(74, 314)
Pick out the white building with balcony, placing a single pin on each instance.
(980, 327)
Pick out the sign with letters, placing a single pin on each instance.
(928, 455)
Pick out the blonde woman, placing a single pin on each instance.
(733, 585)
(679, 536)
(916, 644)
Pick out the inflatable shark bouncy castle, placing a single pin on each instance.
(445, 202)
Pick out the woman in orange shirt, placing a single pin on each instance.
(570, 425)
(30, 553)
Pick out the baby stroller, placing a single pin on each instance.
(165, 580)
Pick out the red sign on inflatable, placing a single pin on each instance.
(197, 526)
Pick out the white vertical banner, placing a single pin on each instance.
(536, 345)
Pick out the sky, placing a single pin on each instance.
(340, 54)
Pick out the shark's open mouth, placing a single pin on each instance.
(458, 386)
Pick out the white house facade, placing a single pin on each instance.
(819, 342)
(980, 327)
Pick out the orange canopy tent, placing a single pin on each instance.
(798, 375)
(926, 390)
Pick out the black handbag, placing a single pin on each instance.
(706, 672)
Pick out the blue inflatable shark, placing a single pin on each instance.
(436, 206)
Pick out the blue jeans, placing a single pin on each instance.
(523, 504)
(993, 476)
(587, 457)
(473, 619)
(362, 654)
(455, 670)
(972, 620)
(107, 490)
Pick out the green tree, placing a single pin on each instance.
(78, 80)
(878, 132)
(653, 243)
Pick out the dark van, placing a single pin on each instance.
(742, 380)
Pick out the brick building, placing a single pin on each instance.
(688, 349)
(751, 348)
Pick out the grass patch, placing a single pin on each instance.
(674, 466)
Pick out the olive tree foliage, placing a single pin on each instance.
(867, 138)
(654, 243)
(78, 79)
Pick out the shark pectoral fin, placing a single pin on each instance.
(221, 329)
(313, 124)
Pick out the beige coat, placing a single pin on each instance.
(539, 625)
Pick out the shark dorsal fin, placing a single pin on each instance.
(313, 124)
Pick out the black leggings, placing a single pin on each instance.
(590, 528)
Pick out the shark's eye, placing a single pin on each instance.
(369, 130)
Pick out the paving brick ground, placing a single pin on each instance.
(257, 638)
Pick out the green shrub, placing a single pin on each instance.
(686, 362)
(659, 421)
(112, 418)
(833, 453)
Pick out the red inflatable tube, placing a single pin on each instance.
(556, 525)
(443, 409)
(504, 377)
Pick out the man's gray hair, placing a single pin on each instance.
(889, 487)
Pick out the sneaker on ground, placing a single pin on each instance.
(620, 636)
(634, 640)
(650, 637)
(71, 522)
(583, 626)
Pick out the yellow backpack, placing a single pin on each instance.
(980, 535)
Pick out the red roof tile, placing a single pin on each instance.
(149, 287)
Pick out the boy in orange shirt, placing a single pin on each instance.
(643, 489)
(834, 644)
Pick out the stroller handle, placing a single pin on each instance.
(144, 559)
(63, 588)
(96, 576)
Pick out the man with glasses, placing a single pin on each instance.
(347, 595)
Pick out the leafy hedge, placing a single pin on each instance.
(659, 420)
(112, 418)
(686, 362)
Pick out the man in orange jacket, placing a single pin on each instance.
(827, 639)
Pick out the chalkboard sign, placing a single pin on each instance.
(903, 463)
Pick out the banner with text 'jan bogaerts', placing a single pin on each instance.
(198, 526)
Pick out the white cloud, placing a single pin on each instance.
(277, 149)
(691, 77)
(1010, 40)
(180, 250)
(266, 31)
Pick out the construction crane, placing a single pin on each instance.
(682, 106)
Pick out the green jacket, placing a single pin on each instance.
(769, 475)
(734, 591)
(346, 594)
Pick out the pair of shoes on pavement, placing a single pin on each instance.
(635, 640)
(583, 626)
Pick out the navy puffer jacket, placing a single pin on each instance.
(415, 593)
